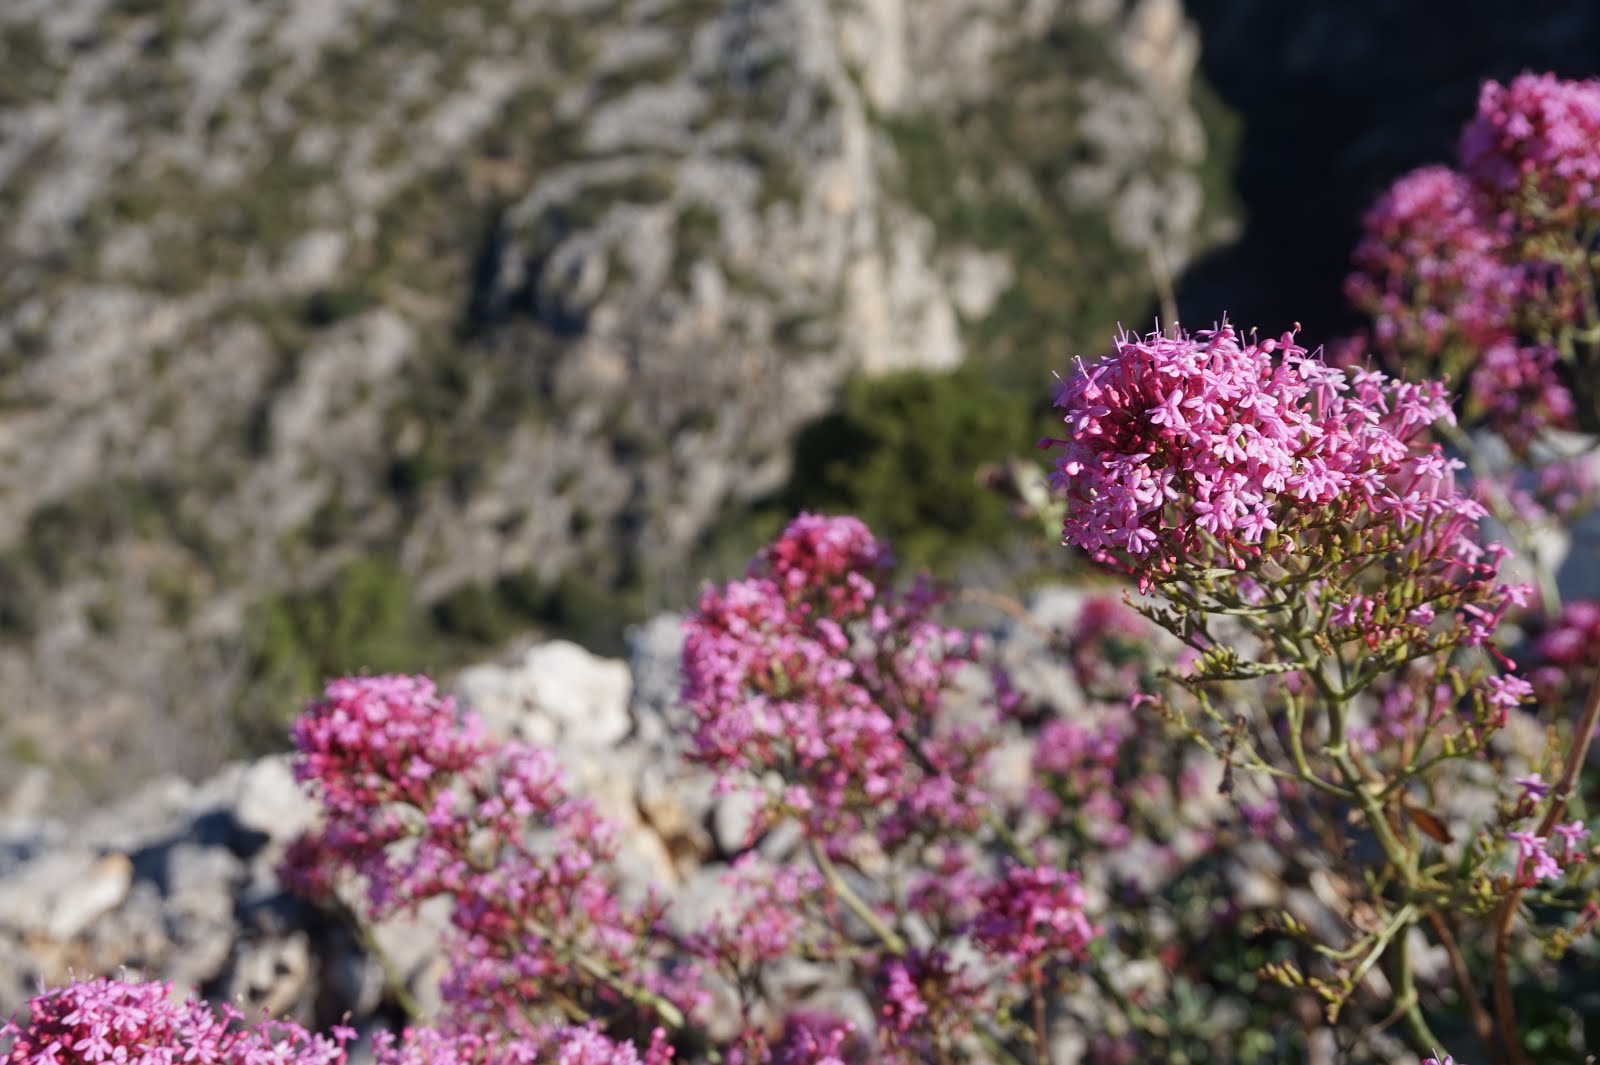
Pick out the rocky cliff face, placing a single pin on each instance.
(515, 294)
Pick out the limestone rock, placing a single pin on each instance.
(504, 294)
(558, 694)
(59, 894)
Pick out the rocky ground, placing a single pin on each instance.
(178, 881)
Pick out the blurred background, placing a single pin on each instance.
(348, 335)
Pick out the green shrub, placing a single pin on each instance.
(905, 453)
(365, 621)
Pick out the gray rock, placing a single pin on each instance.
(269, 800)
(655, 658)
(59, 894)
(201, 882)
(732, 818)
(273, 975)
(411, 946)
(559, 694)
(25, 801)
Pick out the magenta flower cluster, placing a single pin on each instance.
(1537, 139)
(1565, 655)
(121, 1022)
(146, 1023)
(563, 1045)
(1536, 862)
(1478, 272)
(815, 671)
(1034, 917)
(1188, 451)
(814, 666)
(487, 824)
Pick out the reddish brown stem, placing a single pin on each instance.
(1482, 1023)
(1560, 792)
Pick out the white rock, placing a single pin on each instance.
(560, 694)
(732, 817)
(271, 801)
(61, 893)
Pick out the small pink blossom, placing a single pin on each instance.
(1035, 916)
(1532, 848)
(104, 1020)
(1534, 788)
(1572, 834)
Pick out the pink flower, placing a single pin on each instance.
(105, 1020)
(1572, 834)
(1532, 848)
(814, 665)
(1536, 138)
(1033, 917)
(1504, 694)
(1533, 787)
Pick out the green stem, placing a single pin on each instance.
(857, 905)
(1401, 921)
(639, 996)
(1302, 764)
(392, 976)
(1406, 983)
(1041, 1029)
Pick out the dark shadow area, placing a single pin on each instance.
(1337, 99)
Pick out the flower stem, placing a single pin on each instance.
(1482, 1023)
(857, 905)
(1577, 755)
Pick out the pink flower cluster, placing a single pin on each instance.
(1189, 451)
(814, 666)
(817, 1039)
(767, 921)
(1190, 457)
(1109, 648)
(1034, 917)
(1534, 861)
(1471, 272)
(1430, 270)
(1537, 138)
(565, 1045)
(487, 824)
(147, 1023)
(1564, 653)
(926, 1001)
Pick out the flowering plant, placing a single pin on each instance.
(1485, 273)
(1304, 533)
(1339, 677)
